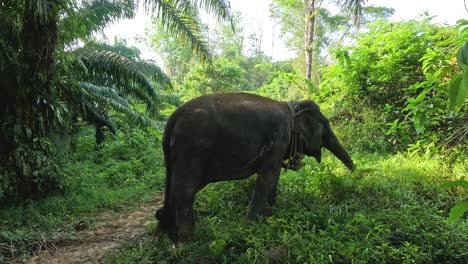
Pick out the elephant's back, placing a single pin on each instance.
(224, 119)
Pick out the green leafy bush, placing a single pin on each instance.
(402, 71)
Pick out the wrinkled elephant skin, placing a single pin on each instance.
(223, 137)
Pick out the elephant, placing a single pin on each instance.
(222, 137)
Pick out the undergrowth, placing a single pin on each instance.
(125, 172)
(390, 210)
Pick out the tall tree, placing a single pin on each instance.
(309, 33)
(28, 88)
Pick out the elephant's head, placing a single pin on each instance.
(315, 132)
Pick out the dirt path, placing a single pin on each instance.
(109, 231)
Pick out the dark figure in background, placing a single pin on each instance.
(224, 137)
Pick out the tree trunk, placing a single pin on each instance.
(27, 158)
(99, 136)
(309, 35)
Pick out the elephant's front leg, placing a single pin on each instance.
(265, 187)
(273, 195)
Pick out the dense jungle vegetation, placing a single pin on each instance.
(82, 120)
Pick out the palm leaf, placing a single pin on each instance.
(81, 22)
(114, 69)
(354, 8)
(95, 115)
(103, 93)
(155, 73)
(120, 48)
(170, 99)
(182, 20)
(148, 67)
(220, 8)
(108, 96)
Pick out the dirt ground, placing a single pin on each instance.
(109, 231)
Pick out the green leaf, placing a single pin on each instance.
(421, 96)
(463, 57)
(451, 184)
(218, 246)
(420, 120)
(458, 210)
(458, 90)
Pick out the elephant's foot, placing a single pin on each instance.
(254, 214)
(185, 233)
(272, 199)
(166, 223)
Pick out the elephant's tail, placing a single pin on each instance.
(166, 145)
(167, 154)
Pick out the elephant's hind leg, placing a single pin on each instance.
(184, 213)
(166, 214)
(186, 182)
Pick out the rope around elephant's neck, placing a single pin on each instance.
(295, 156)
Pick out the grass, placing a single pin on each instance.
(119, 177)
(391, 210)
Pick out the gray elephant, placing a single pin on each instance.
(223, 137)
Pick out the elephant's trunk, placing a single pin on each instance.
(335, 147)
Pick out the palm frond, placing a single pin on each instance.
(80, 22)
(182, 20)
(95, 115)
(120, 48)
(152, 70)
(220, 8)
(108, 96)
(102, 93)
(118, 70)
(61, 140)
(354, 8)
(148, 67)
(170, 99)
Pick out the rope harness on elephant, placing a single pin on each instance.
(295, 147)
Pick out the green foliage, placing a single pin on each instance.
(389, 210)
(401, 70)
(227, 40)
(178, 59)
(461, 207)
(285, 85)
(458, 210)
(222, 76)
(458, 88)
